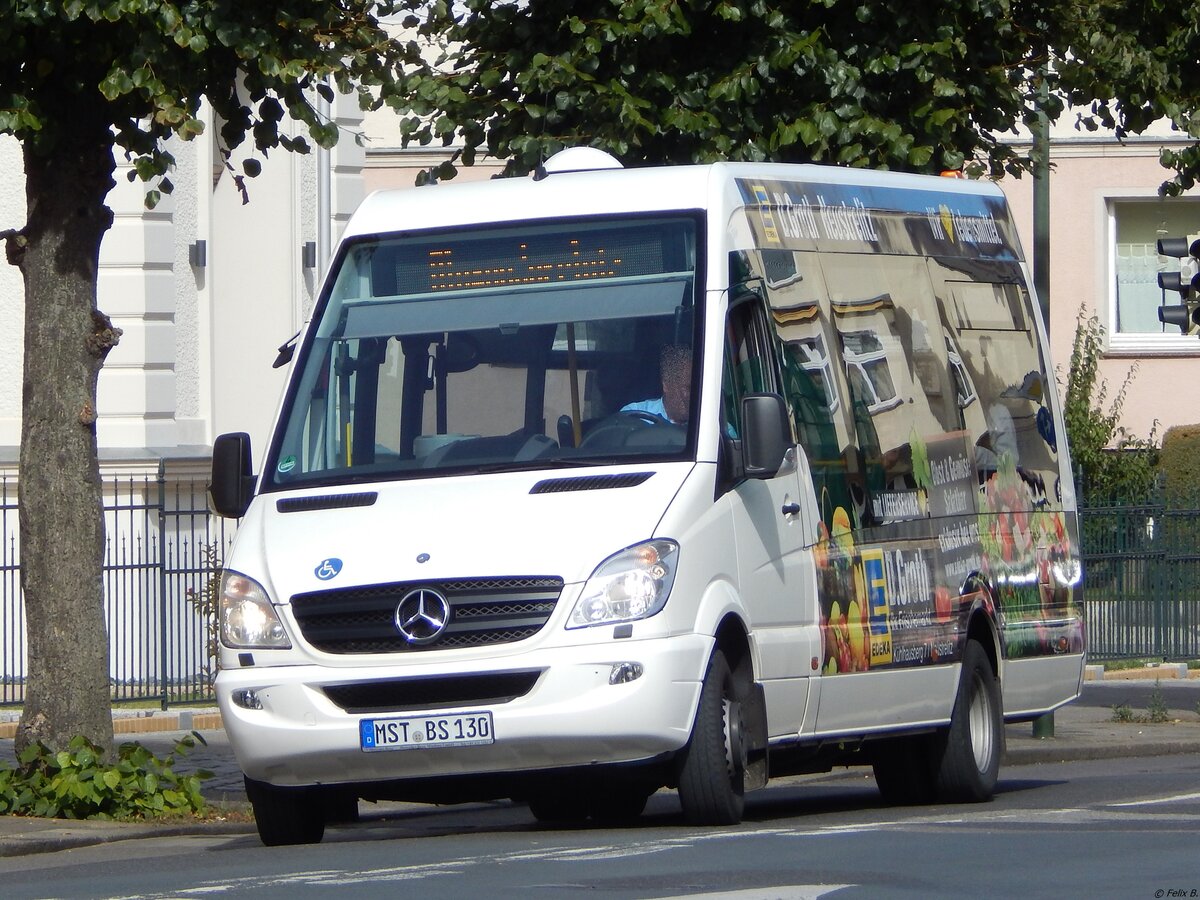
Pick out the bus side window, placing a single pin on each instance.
(750, 363)
(814, 383)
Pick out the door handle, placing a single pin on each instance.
(791, 509)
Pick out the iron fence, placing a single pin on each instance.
(162, 551)
(1142, 579)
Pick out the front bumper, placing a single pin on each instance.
(571, 717)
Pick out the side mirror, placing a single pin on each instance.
(232, 483)
(766, 436)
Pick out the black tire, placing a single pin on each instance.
(286, 815)
(712, 768)
(969, 751)
(559, 807)
(338, 807)
(904, 771)
(618, 804)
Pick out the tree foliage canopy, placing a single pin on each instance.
(916, 86)
(1132, 64)
(142, 67)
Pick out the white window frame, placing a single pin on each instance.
(861, 361)
(960, 375)
(816, 358)
(1131, 344)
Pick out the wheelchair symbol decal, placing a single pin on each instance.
(329, 568)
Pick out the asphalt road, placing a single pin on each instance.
(1119, 827)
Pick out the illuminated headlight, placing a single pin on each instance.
(632, 584)
(248, 621)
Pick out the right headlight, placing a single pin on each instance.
(632, 584)
(248, 620)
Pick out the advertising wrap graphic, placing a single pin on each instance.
(981, 534)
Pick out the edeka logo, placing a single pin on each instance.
(329, 568)
(878, 612)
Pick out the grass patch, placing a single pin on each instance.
(1122, 713)
(1156, 710)
(1118, 665)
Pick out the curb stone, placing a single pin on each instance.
(146, 722)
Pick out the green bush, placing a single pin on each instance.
(1122, 713)
(1177, 464)
(77, 783)
(1156, 709)
(1110, 463)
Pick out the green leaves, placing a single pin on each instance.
(863, 84)
(78, 783)
(1111, 463)
(143, 67)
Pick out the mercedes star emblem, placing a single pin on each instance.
(421, 616)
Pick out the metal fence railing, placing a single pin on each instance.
(162, 548)
(1142, 580)
(1141, 586)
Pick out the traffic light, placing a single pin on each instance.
(1186, 282)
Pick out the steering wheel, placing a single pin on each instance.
(620, 429)
(648, 417)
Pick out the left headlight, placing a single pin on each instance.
(248, 620)
(632, 584)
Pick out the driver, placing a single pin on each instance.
(675, 369)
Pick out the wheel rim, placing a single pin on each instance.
(983, 735)
(735, 745)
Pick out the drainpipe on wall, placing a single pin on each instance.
(324, 190)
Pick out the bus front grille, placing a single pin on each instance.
(415, 616)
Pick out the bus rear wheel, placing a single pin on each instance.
(904, 771)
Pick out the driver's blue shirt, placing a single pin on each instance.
(655, 407)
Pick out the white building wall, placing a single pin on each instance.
(12, 297)
(136, 289)
(261, 291)
(348, 160)
(193, 172)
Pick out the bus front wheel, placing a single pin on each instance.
(712, 770)
(968, 763)
(286, 815)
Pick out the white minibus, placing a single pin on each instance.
(608, 480)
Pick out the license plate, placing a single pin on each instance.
(420, 732)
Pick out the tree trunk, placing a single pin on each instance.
(61, 501)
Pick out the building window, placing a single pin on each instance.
(1135, 227)
(814, 359)
(964, 389)
(867, 369)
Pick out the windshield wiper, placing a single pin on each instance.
(556, 462)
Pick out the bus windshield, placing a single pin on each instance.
(564, 343)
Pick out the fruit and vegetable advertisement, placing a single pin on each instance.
(898, 593)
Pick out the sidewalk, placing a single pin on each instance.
(1081, 732)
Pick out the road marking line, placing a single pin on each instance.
(775, 892)
(1178, 798)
